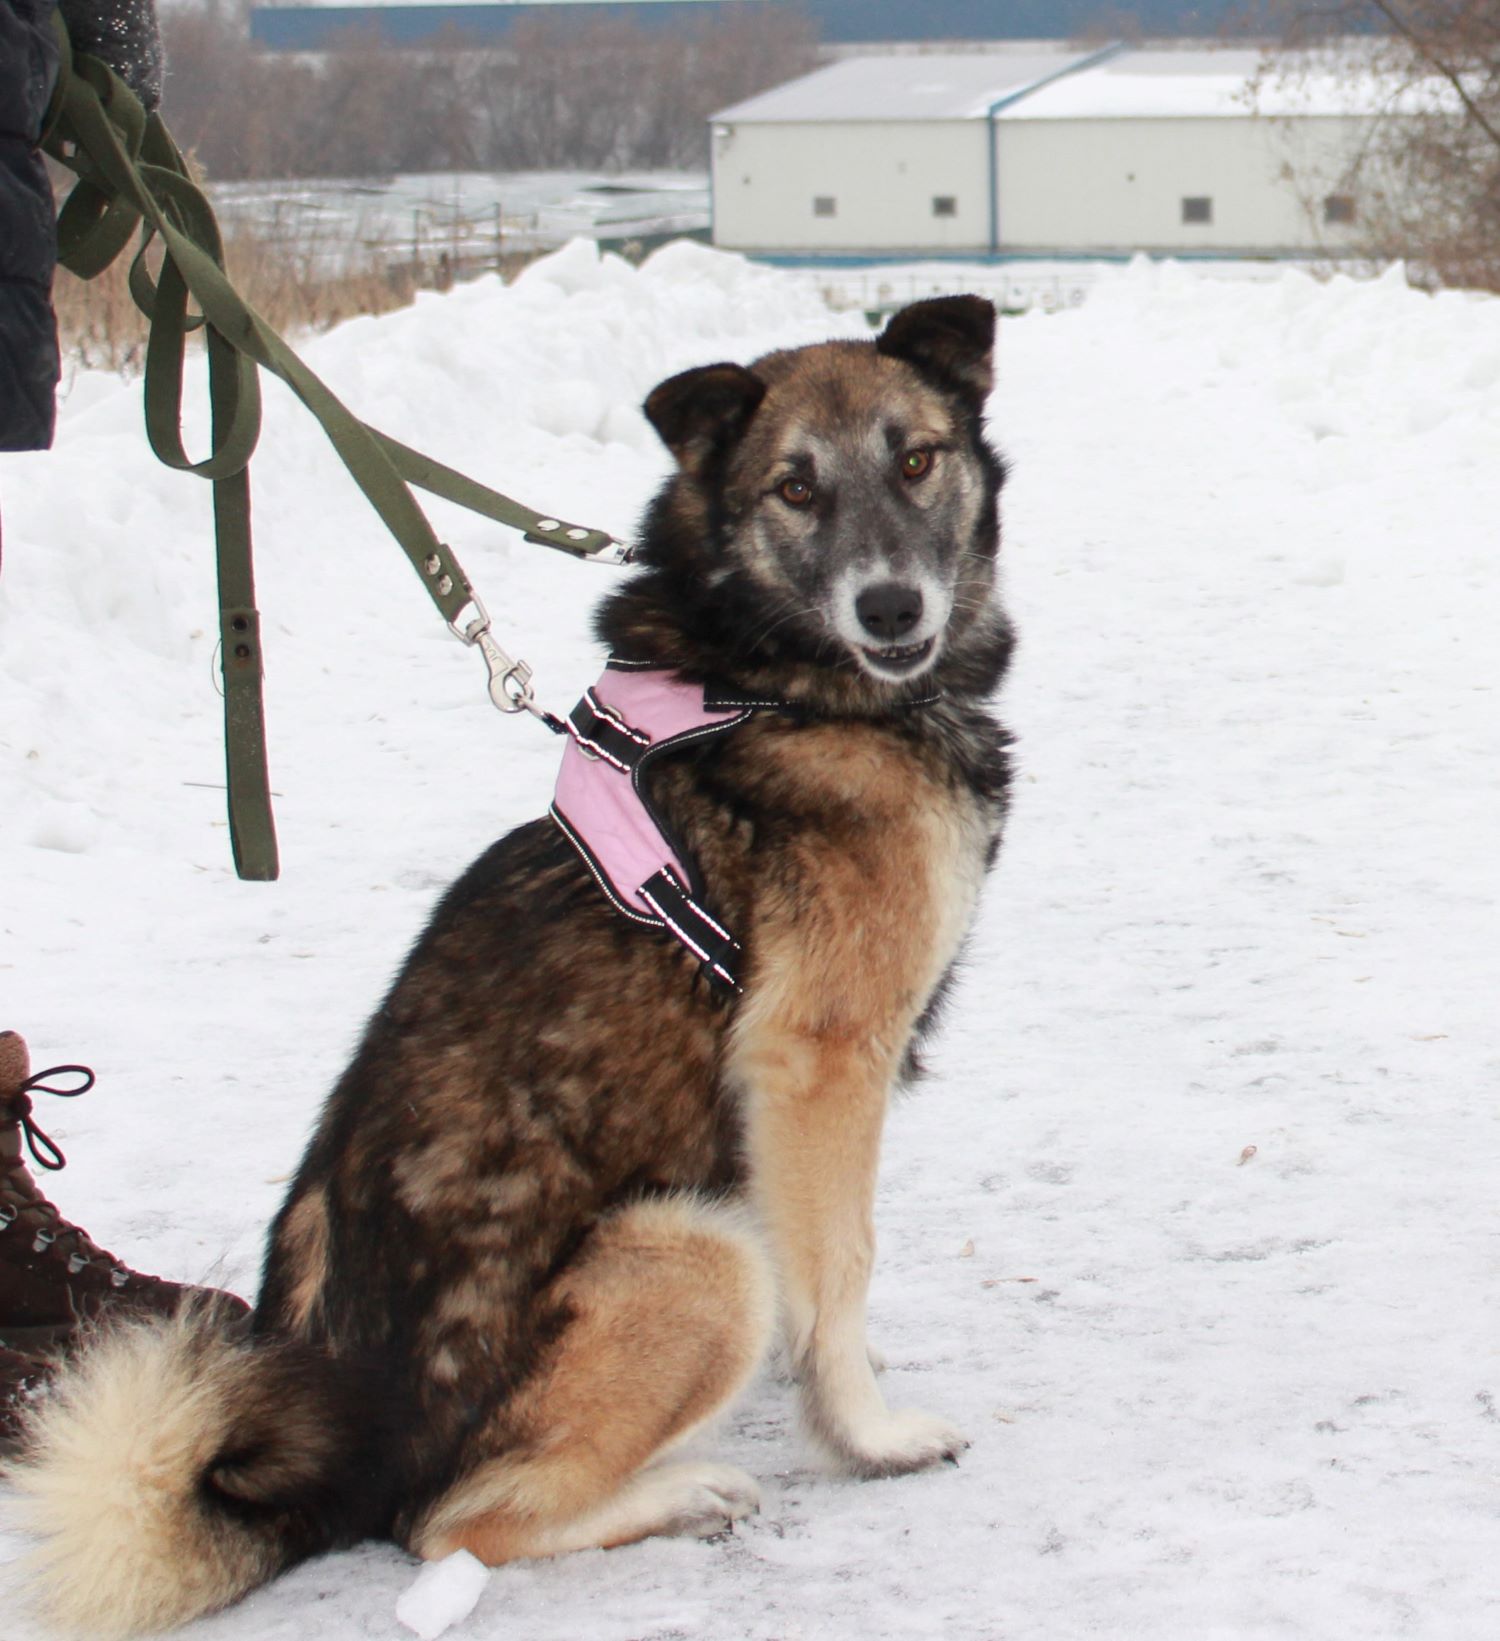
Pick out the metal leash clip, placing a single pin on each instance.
(510, 681)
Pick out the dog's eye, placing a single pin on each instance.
(916, 464)
(795, 492)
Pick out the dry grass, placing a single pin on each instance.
(101, 328)
(301, 270)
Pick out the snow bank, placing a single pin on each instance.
(1248, 899)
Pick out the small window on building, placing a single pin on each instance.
(1197, 208)
(825, 205)
(944, 205)
(1339, 208)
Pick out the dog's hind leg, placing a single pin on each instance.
(672, 1305)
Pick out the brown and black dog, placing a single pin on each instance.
(553, 1209)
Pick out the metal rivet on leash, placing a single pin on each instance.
(432, 564)
(548, 524)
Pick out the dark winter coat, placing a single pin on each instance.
(28, 241)
(123, 33)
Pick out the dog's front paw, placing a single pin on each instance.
(702, 1500)
(900, 1443)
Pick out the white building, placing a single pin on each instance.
(1038, 150)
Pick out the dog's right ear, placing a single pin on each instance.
(700, 411)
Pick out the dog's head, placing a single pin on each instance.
(833, 511)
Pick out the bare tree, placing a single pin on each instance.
(1429, 175)
(560, 93)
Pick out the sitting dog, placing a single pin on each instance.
(594, 1141)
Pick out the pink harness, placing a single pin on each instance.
(635, 713)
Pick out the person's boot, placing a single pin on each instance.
(53, 1276)
(21, 1378)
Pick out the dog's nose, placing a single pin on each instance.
(889, 610)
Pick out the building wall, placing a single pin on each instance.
(882, 179)
(1113, 185)
(1073, 186)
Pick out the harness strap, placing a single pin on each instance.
(633, 716)
(131, 173)
(712, 944)
(602, 733)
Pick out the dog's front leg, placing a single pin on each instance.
(815, 1110)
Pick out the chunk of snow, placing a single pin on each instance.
(442, 1594)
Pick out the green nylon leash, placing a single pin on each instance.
(132, 176)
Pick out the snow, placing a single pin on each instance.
(1035, 81)
(335, 223)
(1231, 84)
(898, 86)
(443, 1594)
(1248, 900)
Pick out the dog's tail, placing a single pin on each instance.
(172, 1467)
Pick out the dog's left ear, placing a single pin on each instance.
(950, 338)
(699, 411)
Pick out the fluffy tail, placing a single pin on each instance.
(172, 1468)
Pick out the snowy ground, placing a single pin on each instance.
(1248, 901)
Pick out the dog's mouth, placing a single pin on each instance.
(897, 660)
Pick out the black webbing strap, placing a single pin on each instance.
(131, 174)
(712, 944)
(604, 734)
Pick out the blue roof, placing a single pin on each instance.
(837, 22)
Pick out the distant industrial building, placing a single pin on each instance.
(1042, 151)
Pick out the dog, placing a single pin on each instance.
(554, 1208)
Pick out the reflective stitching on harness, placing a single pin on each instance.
(676, 928)
(604, 710)
(594, 749)
(687, 940)
(595, 744)
(682, 889)
(597, 872)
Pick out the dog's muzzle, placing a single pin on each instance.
(889, 611)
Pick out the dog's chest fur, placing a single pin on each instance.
(851, 855)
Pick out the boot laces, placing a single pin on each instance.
(44, 1149)
(48, 1154)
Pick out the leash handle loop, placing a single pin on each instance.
(131, 174)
